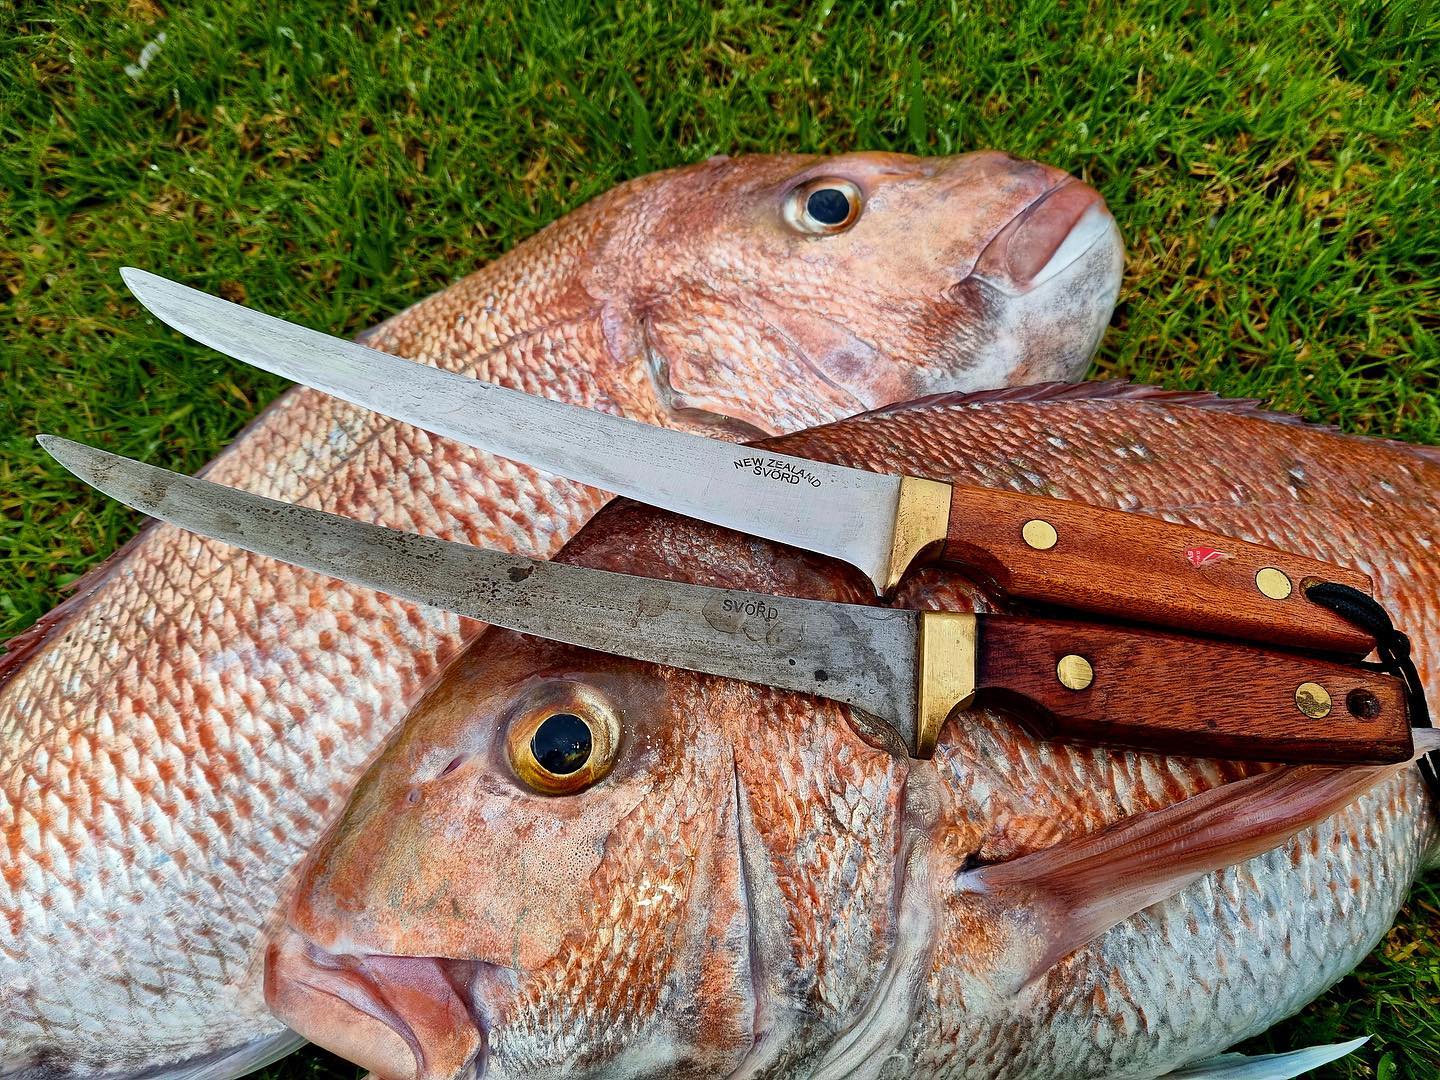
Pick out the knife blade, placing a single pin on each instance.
(909, 669)
(1069, 554)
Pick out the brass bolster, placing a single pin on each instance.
(922, 518)
(948, 643)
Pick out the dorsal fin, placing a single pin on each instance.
(1100, 390)
(1121, 390)
(1429, 453)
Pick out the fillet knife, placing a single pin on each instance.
(910, 669)
(1053, 551)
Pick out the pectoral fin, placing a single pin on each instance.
(1059, 899)
(1266, 1066)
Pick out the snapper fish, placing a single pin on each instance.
(175, 737)
(750, 884)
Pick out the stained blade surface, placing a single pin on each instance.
(838, 511)
(863, 656)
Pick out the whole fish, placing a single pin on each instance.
(756, 889)
(175, 737)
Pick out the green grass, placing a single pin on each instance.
(1273, 168)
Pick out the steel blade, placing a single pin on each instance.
(862, 656)
(846, 513)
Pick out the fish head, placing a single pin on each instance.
(857, 280)
(569, 862)
(476, 872)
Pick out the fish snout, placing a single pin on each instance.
(401, 1017)
(1039, 295)
(1047, 237)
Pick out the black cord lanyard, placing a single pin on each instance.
(1393, 648)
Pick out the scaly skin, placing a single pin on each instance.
(757, 890)
(173, 740)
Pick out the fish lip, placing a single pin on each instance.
(1011, 262)
(299, 970)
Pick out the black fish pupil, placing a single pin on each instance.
(561, 744)
(829, 206)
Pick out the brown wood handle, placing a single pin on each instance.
(1180, 695)
(1142, 569)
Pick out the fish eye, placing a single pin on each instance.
(823, 207)
(564, 742)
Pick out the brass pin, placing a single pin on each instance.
(1313, 700)
(1273, 583)
(1040, 534)
(1074, 672)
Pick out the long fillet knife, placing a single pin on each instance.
(909, 669)
(1053, 551)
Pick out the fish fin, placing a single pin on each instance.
(1101, 390)
(1266, 1066)
(229, 1064)
(1063, 897)
(1120, 390)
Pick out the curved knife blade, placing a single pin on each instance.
(845, 513)
(858, 655)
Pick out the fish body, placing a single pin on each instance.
(175, 737)
(759, 886)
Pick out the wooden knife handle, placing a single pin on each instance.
(1151, 691)
(1143, 569)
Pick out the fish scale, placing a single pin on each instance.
(400, 651)
(1375, 845)
(202, 712)
(827, 913)
(1222, 961)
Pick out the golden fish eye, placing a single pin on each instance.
(823, 207)
(564, 742)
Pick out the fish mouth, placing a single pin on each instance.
(400, 1017)
(1041, 294)
(1045, 239)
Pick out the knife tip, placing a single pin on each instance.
(66, 451)
(149, 289)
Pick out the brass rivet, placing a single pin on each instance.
(1273, 583)
(1040, 534)
(1313, 700)
(1075, 672)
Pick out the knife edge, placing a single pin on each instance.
(856, 654)
(848, 514)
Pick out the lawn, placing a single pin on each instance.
(1275, 169)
